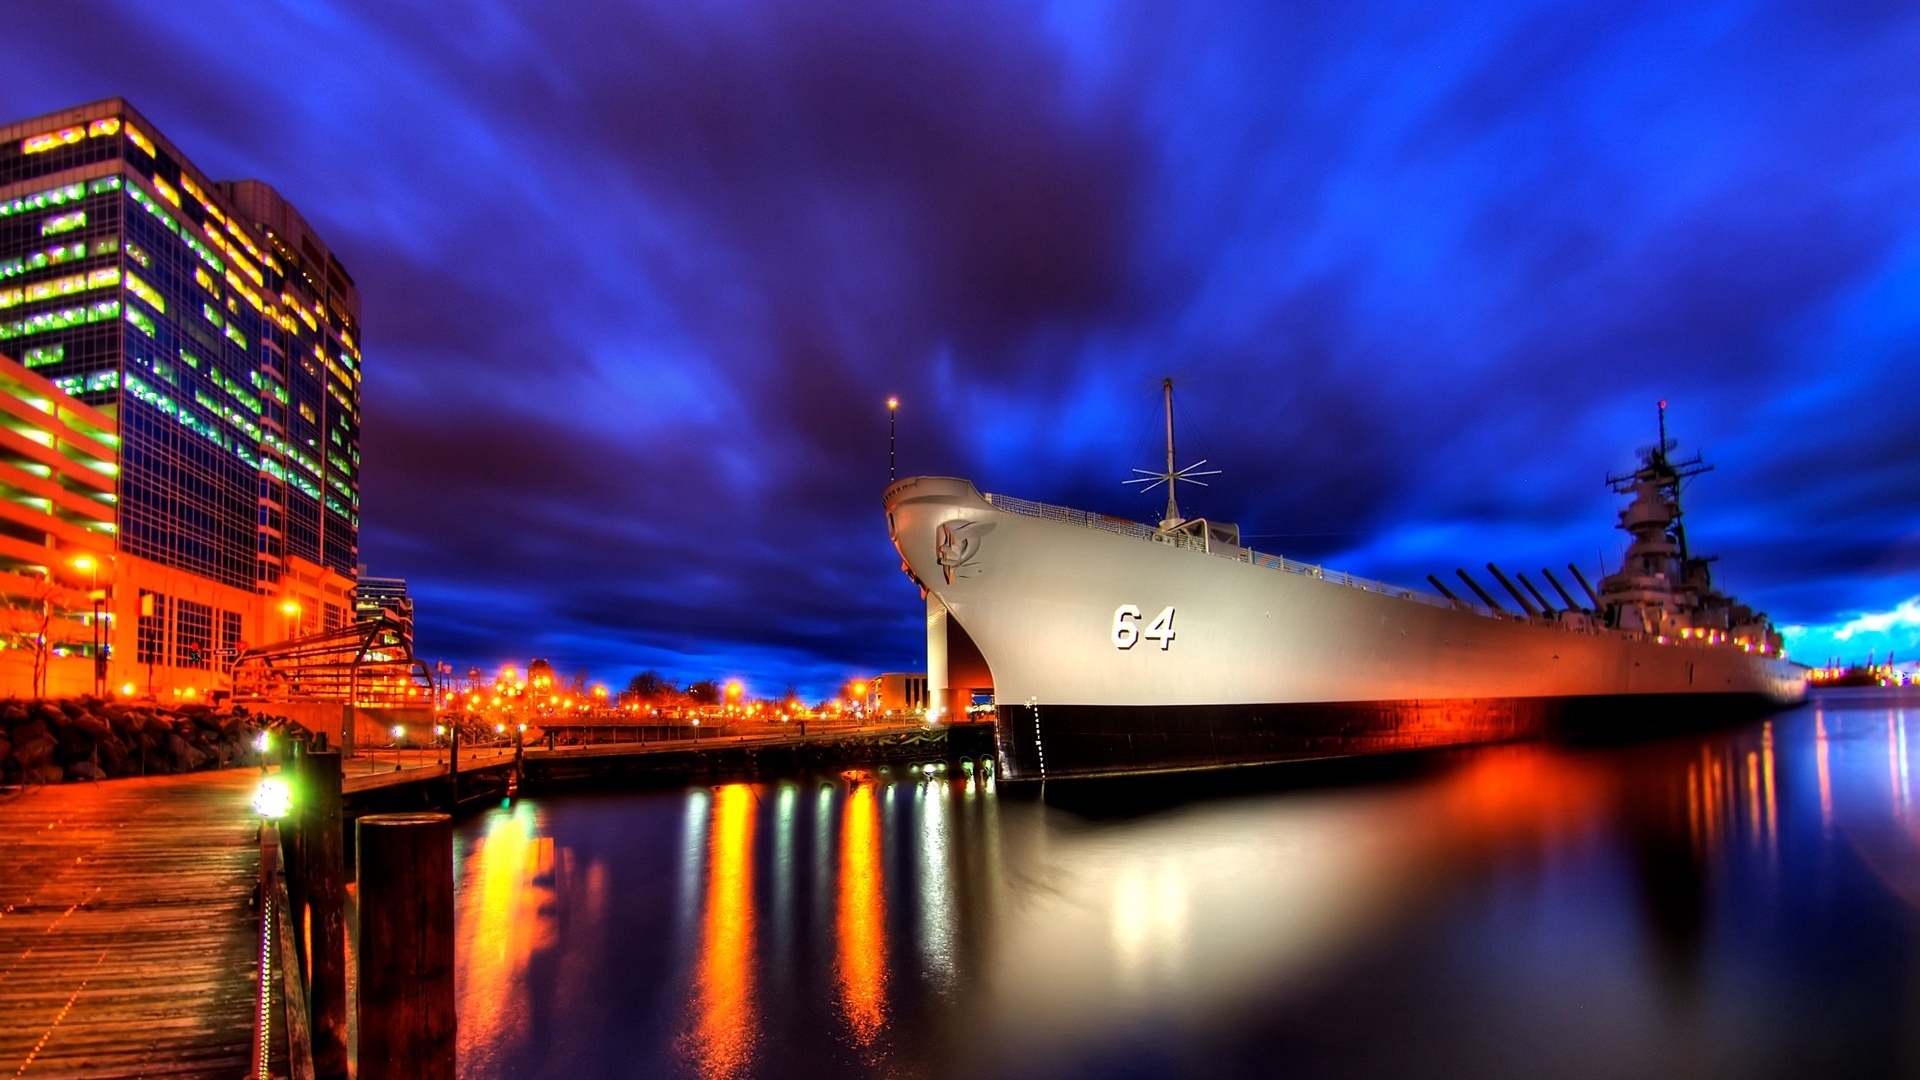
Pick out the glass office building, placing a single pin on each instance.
(213, 325)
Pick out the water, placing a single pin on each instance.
(1740, 903)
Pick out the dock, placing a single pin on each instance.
(408, 779)
(129, 944)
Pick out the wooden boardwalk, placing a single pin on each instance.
(128, 939)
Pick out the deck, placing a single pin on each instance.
(128, 939)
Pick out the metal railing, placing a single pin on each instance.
(1122, 527)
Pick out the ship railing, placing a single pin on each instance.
(1123, 527)
(1086, 520)
(1338, 577)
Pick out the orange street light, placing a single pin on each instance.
(733, 690)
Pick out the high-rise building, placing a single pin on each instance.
(384, 597)
(220, 337)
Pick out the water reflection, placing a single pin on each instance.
(503, 915)
(724, 1016)
(1685, 907)
(862, 957)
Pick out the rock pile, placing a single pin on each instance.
(48, 742)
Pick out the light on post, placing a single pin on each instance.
(273, 799)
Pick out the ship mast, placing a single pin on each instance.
(1173, 509)
(1172, 475)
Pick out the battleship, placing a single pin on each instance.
(1103, 646)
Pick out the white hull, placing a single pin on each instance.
(1040, 600)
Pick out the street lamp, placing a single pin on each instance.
(91, 567)
(893, 407)
(291, 608)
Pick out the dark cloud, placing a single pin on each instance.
(637, 279)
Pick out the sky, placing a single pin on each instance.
(637, 280)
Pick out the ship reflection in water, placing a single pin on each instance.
(1739, 903)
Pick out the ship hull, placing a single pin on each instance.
(1257, 659)
(1061, 741)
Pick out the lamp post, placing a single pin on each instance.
(291, 609)
(893, 406)
(272, 800)
(92, 566)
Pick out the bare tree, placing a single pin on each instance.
(34, 618)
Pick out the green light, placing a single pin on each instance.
(273, 799)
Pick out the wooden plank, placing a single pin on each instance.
(128, 936)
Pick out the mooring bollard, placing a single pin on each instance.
(326, 893)
(405, 869)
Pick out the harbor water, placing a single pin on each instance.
(1743, 902)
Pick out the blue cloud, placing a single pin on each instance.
(639, 277)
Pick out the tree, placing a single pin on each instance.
(35, 618)
(705, 692)
(649, 684)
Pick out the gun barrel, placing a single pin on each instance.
(1557, 587)
(1535, 593)
(1481, 593)
(1582, 579)
(1444, 591)
(1502, 579)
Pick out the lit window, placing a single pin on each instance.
(108, 126)
(166, 191)
(64, 223)
(66, 193)
(41, 322)
(146, 292)
(44, 355)
(152, 207)
(136, 138)
(40, 144)
(141, 322)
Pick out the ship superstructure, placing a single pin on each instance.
(1661, 588)
(1108, 646)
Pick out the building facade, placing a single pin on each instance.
(384, 597)
(219, 338)
(896, 692)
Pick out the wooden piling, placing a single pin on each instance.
(326, 893)
(293, 757)
(453, 769)
(406, 1017)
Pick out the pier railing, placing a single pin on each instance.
(1123, 527)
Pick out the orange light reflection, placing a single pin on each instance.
(725, 1019)
(862, 918)
(502, 899)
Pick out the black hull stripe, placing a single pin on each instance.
(1103, 740)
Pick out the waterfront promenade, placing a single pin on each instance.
(128, 939)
